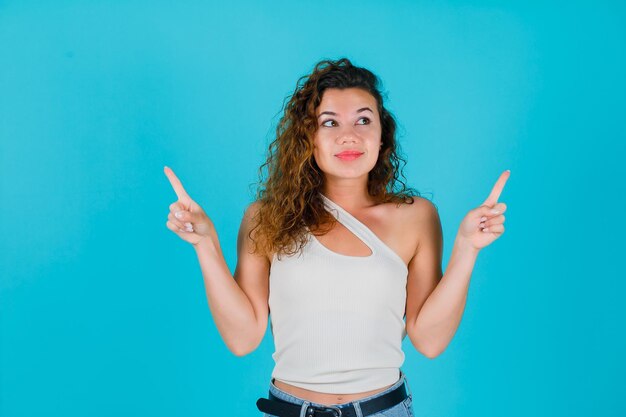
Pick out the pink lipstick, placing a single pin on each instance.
(349, 155)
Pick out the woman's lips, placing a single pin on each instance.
(348, 156)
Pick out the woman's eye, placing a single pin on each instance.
(361, 121)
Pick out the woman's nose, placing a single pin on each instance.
(347, 139)
(347, 134)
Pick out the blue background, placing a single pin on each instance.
(102, 308)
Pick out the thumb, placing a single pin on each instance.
(180, 210)
(192, 213)
(486, 210)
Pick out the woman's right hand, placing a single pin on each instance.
(186, 217)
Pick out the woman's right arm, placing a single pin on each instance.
(239, 304)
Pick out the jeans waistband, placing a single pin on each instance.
(300, 401)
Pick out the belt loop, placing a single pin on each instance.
(305, 405)
(357, 409)
(406, 382)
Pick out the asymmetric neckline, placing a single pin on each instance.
(364, 233)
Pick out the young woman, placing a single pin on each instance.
(346, 258)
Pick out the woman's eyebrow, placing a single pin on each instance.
(335, 114)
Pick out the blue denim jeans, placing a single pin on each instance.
(402, 409)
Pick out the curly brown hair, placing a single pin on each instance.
(289, 198)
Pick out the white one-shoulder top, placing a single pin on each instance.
(338, 320)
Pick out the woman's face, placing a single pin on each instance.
(348, 122)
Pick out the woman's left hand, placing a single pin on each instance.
(482, 225)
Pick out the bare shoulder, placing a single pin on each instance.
(249, 219)
(403, 226)
(421, 210)
(427, 226)
(252, 209)
(424, 210)
(425, 218)
(248, 223)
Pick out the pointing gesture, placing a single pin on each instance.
(186, 217)
(484, 224)
(182, 195)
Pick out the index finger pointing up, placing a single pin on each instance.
(497, 189)
(176, 184)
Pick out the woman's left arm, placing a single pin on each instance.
(435, 303)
